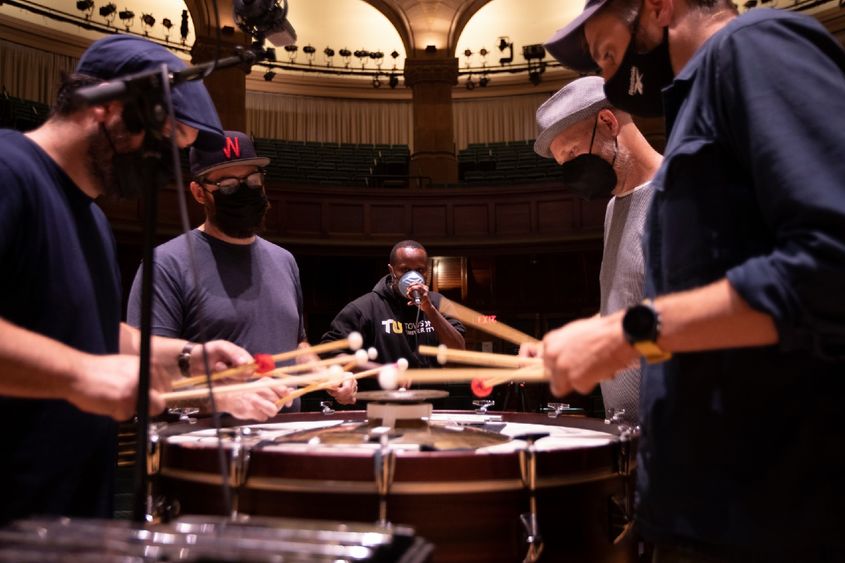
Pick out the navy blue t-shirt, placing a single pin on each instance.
(58, 278)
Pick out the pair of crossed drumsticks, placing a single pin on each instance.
(501, 368)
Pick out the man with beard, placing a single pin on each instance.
(391, 322)
(601, 153)
(68, 366)
(249, 290)
(746, 255)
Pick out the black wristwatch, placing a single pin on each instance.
(641, 327)
(184, 358)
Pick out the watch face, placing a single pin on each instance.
(640, 323)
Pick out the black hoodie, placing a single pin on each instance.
(389, 324)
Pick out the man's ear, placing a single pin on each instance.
(663, 10)
(655, 15)
(390, 269)
(200, 195)
(608, 122)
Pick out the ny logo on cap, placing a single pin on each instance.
(635, 86)
(232, 145)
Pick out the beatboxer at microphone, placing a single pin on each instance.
(400, 313)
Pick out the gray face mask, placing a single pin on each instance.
(590, 176)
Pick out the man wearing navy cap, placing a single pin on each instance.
(68, 366)
(248, 289)
(746, 259)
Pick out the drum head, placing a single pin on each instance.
(402, 396)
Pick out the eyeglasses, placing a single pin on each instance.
(229, 184)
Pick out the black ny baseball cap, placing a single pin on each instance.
(238, 149)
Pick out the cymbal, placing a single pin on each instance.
(402, 395)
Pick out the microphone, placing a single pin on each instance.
(265, 19)
(409, 278)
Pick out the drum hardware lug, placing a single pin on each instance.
(614, 416)
(483, 405)
(162, 510)
(384, 464)
(238, 466)
(153, 466)
(528, 473)
(620, 517)
(531, 530)
(554, 410)
(327, 407)
(184, 414)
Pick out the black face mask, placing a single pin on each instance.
(588, 175)
(636, 87)
(240, 214)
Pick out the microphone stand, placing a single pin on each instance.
(146, 98)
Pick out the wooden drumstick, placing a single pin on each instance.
(353, 342)
(318, 385)
(463, 375)
(484, 322)
(240, 387)
(445, 354)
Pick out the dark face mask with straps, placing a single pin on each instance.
(239, 211)
(588, 175)
(637, 85)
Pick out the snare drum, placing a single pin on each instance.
(471, 494)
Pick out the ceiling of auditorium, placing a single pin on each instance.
(354, 24)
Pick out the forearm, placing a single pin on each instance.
(165, 351)
(32, 365)
(711, 317)
(447, 334)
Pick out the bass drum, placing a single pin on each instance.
(471, 484)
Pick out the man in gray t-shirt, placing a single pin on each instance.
(601, 153)
(248, 288)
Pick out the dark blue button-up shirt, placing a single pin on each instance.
(741, 448)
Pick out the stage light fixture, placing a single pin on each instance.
(86, 6)
(148, 21)
(346, 54)
(269, 75)
(183, 27)
(470, 84)
(484, 81)
(430, 49)
(309, 51)
(535, 77)
(376, 82)
(506, 43)
(108, 11)
(483, 52)
(467, 53)
(394, 54)
(167, 24)
(127, 17)
(270, 53)
(393, 81)
(291, 49)
(533, 52)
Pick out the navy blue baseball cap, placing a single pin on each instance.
(568, 44)
(238, 149)
(120, 55)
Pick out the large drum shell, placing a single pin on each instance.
(466, 503)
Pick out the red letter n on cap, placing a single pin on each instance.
(232, 145)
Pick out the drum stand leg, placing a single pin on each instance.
(238, 468)
(384, 462)
(530, 524)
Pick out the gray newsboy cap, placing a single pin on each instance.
(576, 101)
